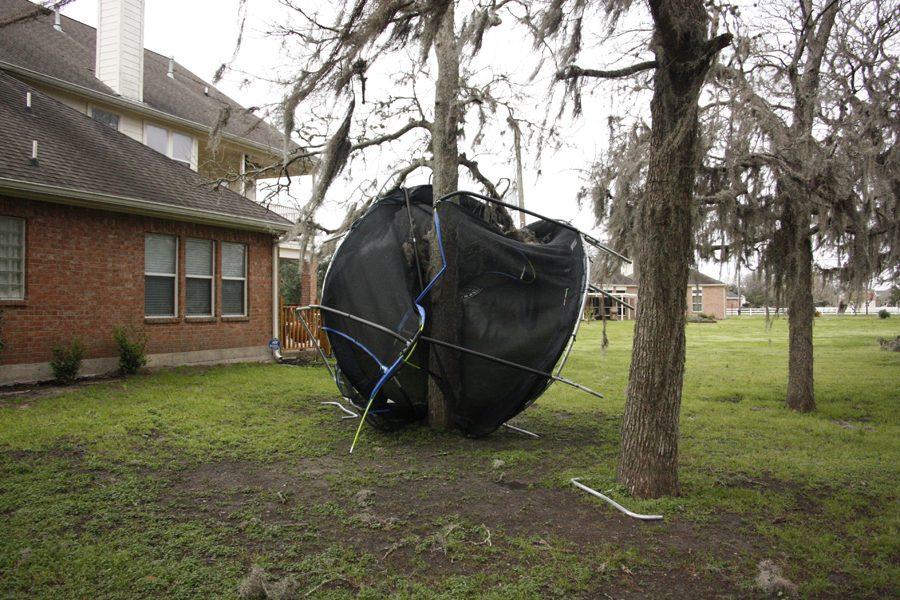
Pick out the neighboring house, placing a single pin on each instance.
(734, 302)
(704, 295)
(108, 75)
(100, 227)
(620, 294)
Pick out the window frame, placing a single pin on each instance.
(211, 277)
(696, 292)
(245, 278)
(174, 276)
(23, 223)
(93, 107)
(191, 163)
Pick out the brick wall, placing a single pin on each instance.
(85, 275)
(713, 300)
(309, 293)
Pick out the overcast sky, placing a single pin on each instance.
(201, 34)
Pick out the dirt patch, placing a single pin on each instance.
(18, 395)
(414, 510)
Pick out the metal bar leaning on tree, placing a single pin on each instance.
(444, 344)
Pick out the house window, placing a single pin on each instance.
(177, 146)
(234, 280)
(12, 258)
(107, 118)
(199, 281)
(697, 300)
(160, 275)
(182, 148)
(157, 138)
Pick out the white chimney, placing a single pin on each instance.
(120, 46)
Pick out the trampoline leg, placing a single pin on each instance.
(522, 431)
(350, 414)
(615, 504)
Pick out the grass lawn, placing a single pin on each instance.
(175, 484)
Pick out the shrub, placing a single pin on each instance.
(701, 318)
(132, 350)
(66, 361)
(883, 313)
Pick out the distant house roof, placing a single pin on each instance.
(616, 278)
(68, 55)
(695, 277)
(82, 159)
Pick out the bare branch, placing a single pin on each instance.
(574, 71)
(480, 177)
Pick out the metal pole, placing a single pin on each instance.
(615, 504)
(522, 431)
(444, 344)
(350, 413)
(315, 341)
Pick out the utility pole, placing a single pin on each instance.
(520, 186)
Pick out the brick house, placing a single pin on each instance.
(104, 225)
(704, 295)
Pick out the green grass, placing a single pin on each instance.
(173, 484)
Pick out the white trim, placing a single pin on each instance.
(75, 197)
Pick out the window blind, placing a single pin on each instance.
(157, 138)
(233, 263)
(160, 275)
(182, 147)
(199, 283)
(234, 279)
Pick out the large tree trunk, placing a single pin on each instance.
(445, 309)
(649, 453)
(801, 310)
(796, 221)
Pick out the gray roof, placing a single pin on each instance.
(77, 153)
(68, 55)
(695, 277)
(617, 278)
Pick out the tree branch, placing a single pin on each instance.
(388, 137)
(574, 71)
(479, 176)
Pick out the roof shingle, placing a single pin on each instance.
(68, 55)
(76, 152)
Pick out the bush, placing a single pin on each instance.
(66, 361)
(701, 318)
(132, 350)
(883, 313)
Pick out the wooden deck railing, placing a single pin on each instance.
(294, 335)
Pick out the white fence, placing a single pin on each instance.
(824, 310)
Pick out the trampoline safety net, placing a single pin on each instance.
(520, 296)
